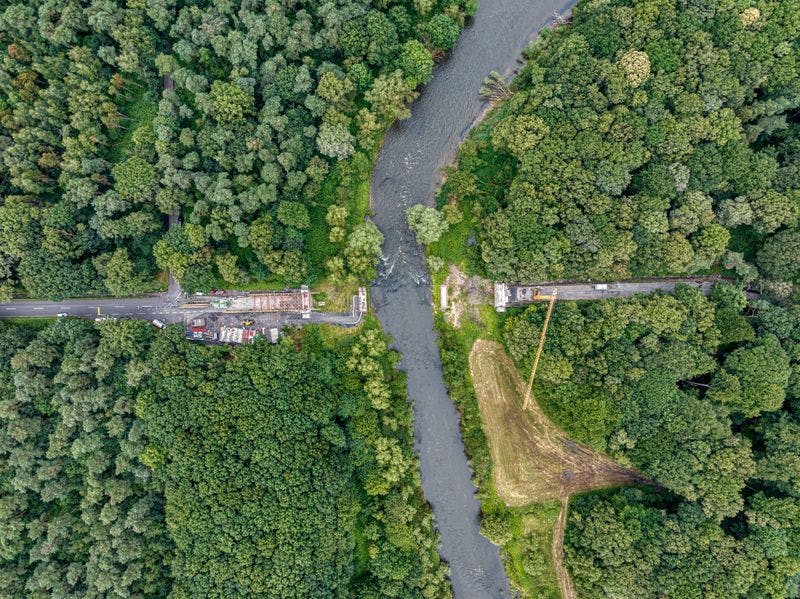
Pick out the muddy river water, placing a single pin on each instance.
(408, 172)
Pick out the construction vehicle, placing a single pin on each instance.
(247, 323)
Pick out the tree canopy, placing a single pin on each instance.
(649, 137)
(116, 114)
(133, 462)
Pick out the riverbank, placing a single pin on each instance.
(408, 172)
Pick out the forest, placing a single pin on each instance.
(700, 394)
(135, 463)
(256, 122)
(645, 138)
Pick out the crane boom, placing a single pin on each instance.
(540, 348)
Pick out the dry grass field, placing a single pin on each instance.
(532, 459)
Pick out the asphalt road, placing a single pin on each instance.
(146, 308)
(587, 291)
(163, 306)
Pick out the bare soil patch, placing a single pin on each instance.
(533, 460)
(464, 296)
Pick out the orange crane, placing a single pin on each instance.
(539, 349)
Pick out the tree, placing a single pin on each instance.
(335, 140)
(780, 257)
(334, 89)
(428, 224)
(671, 429)
(293, 214)
(229, 270)
(636, 66)
(774, 210)
(134, 180)
(362, 250)
(416, 63)
(389, 96)
(119, 273)
(753, 379)
(496, 528)
(230, 102)
(519, 134)
(443, 31)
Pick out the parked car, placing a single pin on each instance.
(61, 314)
(159, 323)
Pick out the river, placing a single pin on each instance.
(408, 172)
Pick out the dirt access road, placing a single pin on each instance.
(565, 584)
(533, 460)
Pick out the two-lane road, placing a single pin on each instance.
(146, 308)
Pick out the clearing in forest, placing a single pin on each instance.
(533, 460)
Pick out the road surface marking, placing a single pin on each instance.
(38, 308)
(10, 308)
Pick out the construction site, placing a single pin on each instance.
(510, 295)
(289, 301)
(243, 317)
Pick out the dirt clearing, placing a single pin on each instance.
(465, 296)
(532, 459)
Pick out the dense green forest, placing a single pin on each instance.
(134, 463)
(646, 138)
(257, 121)
(701, 395)
(81, 516)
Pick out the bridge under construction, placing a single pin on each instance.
(290, 301)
